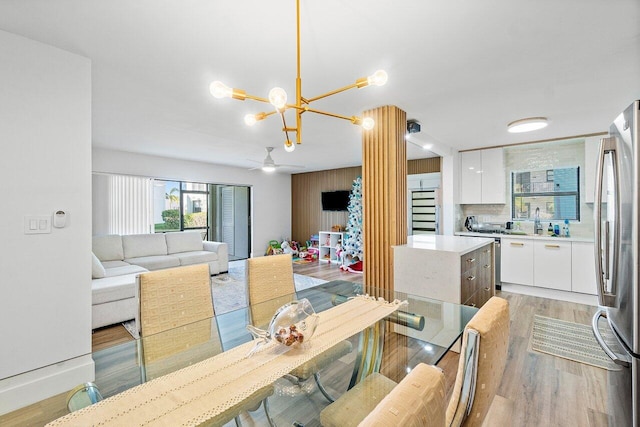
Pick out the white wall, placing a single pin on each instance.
(449, 193)
(45, 165)
(271, 193)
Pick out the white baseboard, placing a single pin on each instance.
(551, 293)
(30, 387)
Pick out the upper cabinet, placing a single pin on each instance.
(482, 177)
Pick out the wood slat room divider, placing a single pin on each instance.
(384, 195)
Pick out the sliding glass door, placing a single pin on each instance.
(232, 209)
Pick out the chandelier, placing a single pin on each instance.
(278, 99)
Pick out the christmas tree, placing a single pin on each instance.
(353, 240)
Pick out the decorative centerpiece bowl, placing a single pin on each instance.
(291, 325)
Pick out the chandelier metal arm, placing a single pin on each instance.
(285, 129)
(333, 92)
(256, 98)
(352, 119)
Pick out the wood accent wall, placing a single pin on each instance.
(307, 217)
(384, 195)
(428, 165)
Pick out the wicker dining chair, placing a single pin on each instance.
(175, 305)
(270, 285)
(482, 360)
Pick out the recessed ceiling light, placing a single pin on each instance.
(527, 125)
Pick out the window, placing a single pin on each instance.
(180, 206)
(555, 192)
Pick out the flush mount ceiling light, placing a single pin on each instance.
(278, 98)
(527, 125)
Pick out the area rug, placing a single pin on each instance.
(229, 289)
(569, 340)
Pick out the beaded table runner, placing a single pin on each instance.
(195, 394)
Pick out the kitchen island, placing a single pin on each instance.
(448, 268)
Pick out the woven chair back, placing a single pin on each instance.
(270, 285)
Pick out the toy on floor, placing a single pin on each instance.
(289, 248)
(274, 248)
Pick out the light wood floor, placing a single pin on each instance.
(536, 390)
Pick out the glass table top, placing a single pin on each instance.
(421, 331)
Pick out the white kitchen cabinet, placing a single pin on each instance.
(470, 177)
(552, 264)
(482, 177)
(583, 268)
(517, 261)
(493, 182)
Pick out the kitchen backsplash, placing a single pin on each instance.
(548, 155)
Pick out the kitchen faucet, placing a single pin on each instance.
(537, 227)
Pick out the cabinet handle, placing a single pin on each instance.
(487, 251)
(487, 289)
(486, 266)
(516, 244)
(470, 278)
(473, 304)
(470, 260)
(552, 246)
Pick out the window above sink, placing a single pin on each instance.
(556, 192)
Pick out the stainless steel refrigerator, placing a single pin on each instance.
(617, 249)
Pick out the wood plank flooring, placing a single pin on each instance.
(536, 390)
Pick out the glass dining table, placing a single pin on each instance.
(416, 330)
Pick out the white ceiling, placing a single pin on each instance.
(463, 69)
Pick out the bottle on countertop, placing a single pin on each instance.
(550, 229)
(566, 228)
(556, 230)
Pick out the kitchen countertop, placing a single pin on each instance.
(458, 244)
(524, 236)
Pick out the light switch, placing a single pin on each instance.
(37, 224)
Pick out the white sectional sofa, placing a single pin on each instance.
(117, 261)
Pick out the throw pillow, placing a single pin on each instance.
(97, 269)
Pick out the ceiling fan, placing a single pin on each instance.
(268, 165)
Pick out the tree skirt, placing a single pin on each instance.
(356, 267)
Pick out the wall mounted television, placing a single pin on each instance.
(335, 200)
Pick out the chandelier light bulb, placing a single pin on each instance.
(368, 123)
(289, 146)
(278, 97)
(250, 119)
(220, 90)
(379, 78)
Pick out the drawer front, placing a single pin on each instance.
(470, 260)
(470, 282)
(479, 298)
